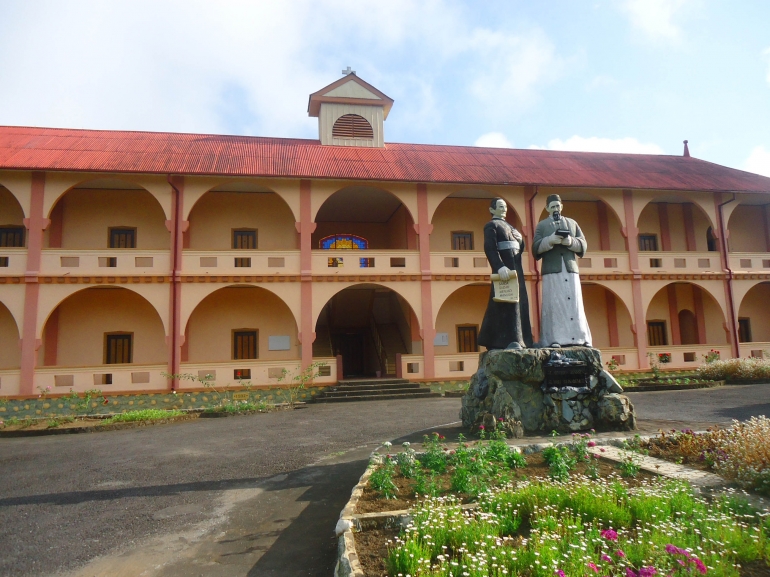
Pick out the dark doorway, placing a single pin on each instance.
(352, 348)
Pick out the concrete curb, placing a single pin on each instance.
(611, 449)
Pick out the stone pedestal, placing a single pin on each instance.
(508, 391)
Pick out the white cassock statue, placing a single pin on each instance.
(558, 242)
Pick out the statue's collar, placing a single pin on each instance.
(498, 218)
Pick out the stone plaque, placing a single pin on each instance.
(563, 373)
(240, 396)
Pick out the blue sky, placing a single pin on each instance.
(621, 75)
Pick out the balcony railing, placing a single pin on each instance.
(460, 262)
(679, 262)
(750, 261)
(412, 366)
(758, 350)
(456, 366)
(13, 261)
(604, 262)
(105, 262)
(688, 356)
(104, 377)
(358, 262)
(255, 372)
(245, 262)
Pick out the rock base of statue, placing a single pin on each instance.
(531, 391)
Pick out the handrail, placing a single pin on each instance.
(382, 354)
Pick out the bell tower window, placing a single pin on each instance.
(352, 126)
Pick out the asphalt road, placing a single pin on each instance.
(254, 495)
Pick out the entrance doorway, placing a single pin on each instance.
(368, 326)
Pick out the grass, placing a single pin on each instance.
(143, 415)
(238, 407)
(581, 527)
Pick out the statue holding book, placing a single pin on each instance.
(558, 242)
(506, 322)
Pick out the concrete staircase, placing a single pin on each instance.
(374, 390)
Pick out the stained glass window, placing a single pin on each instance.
(344, 242)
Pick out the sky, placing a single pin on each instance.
(635, 76)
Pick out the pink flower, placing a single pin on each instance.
(481, 427)
(593, 567)
(591, 444)
(560, 573)
(606, 558)
(700, 566)
(601, 449)
(610, 534)
(647, 571)
(620, 553)
(682, 563)
(631, 573)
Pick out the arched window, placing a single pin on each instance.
(352, 126)
(343, 241)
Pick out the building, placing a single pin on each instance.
(127, 255)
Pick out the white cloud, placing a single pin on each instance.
(596, 144)
(493, 140)
(248, 67)
(656, 19)
(758, 161)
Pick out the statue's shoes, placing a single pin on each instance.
(514, 345)
(587, 344)
(555, 346)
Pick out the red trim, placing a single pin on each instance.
(55, 231)
(700, 314)
(732, 322)
(305, 228)
(689, 227)
(51, 339)
(673, 314)
(177, 338)
(530, 192)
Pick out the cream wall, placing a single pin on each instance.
(216, 214)
(466, 306)
(10, 352)
(87, 315)
(88, 214)
(210, 327)
(10, 209)
(463, 214)
(747, 229)
(649, 223)
(595, 305)
(389, 235)
(714, 317)
(755, 307)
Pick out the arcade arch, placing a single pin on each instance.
(210, 332)
(749, 227)
(107, 213)
(10, 353)
(459, 318)
(241, 215)
(79, 329)
(458, 222)
(753, 315)
(674, 222)
(368, 325)
(374, 214)
(608, 317)
(12, 230)
(703, 317)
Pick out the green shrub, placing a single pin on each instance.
(143, 415)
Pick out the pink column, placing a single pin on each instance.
(767, 227)
(673, 313)
(35, 224)
(721, 234)
(640, 324)
(177, 227)
(700, 314)
(689, 227)
(51, 339)
(530, 192)
(604, 226)
(423, 229)
(305, 228)
(612, 318)
(665, 229)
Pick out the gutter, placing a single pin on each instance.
(174, 283)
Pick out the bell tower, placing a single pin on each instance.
(350, 112)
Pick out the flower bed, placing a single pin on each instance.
(740, 454)
(560, 512)
(752, 369)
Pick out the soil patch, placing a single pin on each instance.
(372, 502)
(81, 425)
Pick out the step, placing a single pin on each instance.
(374, 387)
(320, 399)
(388, 381)
(377, 392)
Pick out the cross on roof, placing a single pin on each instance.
(348, 71)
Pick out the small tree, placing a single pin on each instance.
(297, 381)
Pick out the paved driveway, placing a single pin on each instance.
(255, 495)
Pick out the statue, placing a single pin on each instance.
(506, 325)
(557, 240)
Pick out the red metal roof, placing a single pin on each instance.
(202, 154)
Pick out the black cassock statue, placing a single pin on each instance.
(505, 325)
